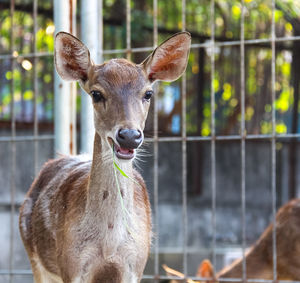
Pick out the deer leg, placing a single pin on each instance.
(41, 275)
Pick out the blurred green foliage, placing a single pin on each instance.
(226, 83)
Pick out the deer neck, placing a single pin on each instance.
(108, 189)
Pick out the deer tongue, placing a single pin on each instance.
(124, 150)
(124, 153)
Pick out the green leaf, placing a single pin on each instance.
(120, 170)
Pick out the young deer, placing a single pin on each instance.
(259, 259)
(82, 221)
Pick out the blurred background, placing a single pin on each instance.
(222, 143)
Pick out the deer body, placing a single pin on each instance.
(83, 221)
(89, 238)
(259, 258)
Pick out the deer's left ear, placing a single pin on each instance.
(169, 60)
(71, 57)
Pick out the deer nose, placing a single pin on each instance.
(129, 139)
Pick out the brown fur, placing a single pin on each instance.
(119, 72)
(107, 274)
(68, 202)
(259, 259)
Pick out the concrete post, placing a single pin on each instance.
(63, 125)
(91, 25)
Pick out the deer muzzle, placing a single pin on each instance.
(128, 140)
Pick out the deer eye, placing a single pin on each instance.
(97, 96)
(148, 95)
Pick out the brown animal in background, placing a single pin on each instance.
(83, 221)
(259, 258)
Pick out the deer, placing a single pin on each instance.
(82, 220)
(259, 257)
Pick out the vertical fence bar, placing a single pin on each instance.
(184, 157)
(273, 142)
(73, 85)
(13, 148)
(128, 29)
(213, 131)
(100, 32)
(155, 30)
(62, 89)
(243, 140)
(155, 152)
(91, 38)
(35, 89)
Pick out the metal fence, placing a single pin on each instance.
(64, 136)
(13, 138)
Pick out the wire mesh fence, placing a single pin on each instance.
(14, 272)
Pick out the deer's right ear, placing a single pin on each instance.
(71, 57)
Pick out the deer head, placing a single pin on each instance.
(120, 90)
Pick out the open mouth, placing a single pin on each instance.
(123, 153)
(120, 152)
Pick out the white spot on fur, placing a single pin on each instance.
(131, 278)
(77, 280)
(83, 157)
